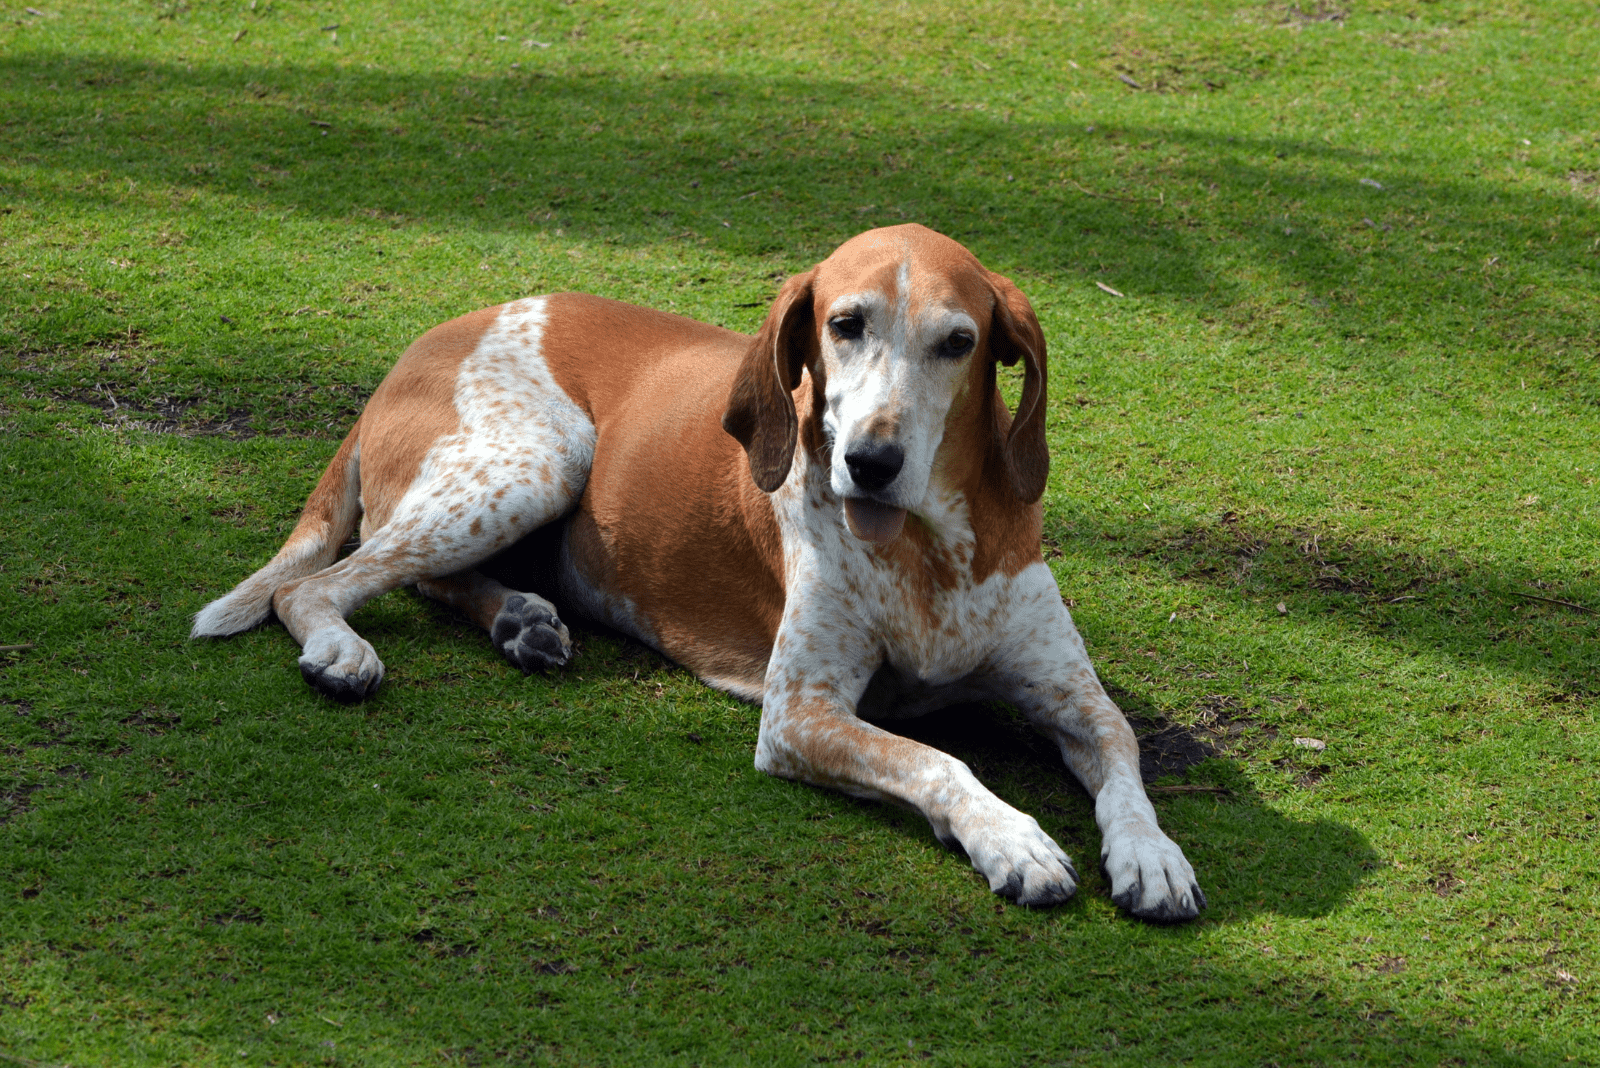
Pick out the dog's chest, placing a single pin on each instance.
(917, 608)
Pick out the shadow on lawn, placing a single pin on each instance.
(1502, 616)
(785, 169)
(1249, 857)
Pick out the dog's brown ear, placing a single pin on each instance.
(1016, 335)
(760, 412)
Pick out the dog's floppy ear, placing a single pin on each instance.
(1015, 335)
(760, 412)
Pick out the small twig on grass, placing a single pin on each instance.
(1551, 600)
(1108, 289)
(1161, 198)
(16, 648)
(1188, 788)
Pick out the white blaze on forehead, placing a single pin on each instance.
(902, 307)
(862, 373)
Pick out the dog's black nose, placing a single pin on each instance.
(874, 464)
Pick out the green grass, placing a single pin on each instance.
(1372, 404)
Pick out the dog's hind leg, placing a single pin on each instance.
(517, 458)
(438, 533)
(523, 626)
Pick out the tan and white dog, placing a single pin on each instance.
(837, 519)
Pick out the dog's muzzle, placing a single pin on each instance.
(873, 466)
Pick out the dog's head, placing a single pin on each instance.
(902, 327)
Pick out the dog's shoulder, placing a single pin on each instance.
(602, 350)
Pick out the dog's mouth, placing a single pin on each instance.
(874, 522)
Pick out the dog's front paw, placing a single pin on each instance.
(530, 635)
(340, 664)
(1020, 861)
(1150, 877)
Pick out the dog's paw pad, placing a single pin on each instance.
(530, 635)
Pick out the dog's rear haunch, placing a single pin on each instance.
(837, 519)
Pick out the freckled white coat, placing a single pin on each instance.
(837, 519)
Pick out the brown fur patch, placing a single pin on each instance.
(670, 518)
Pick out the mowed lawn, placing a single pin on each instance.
(1320, 288)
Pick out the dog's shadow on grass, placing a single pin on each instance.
(1250, 857)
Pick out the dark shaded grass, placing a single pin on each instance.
(672, 158)
(1492, 615)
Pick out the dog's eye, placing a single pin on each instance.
(956, 345)
(848, 327)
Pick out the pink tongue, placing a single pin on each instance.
(871, 521)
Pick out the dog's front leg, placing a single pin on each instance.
(810, 731)
(1045, 671)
